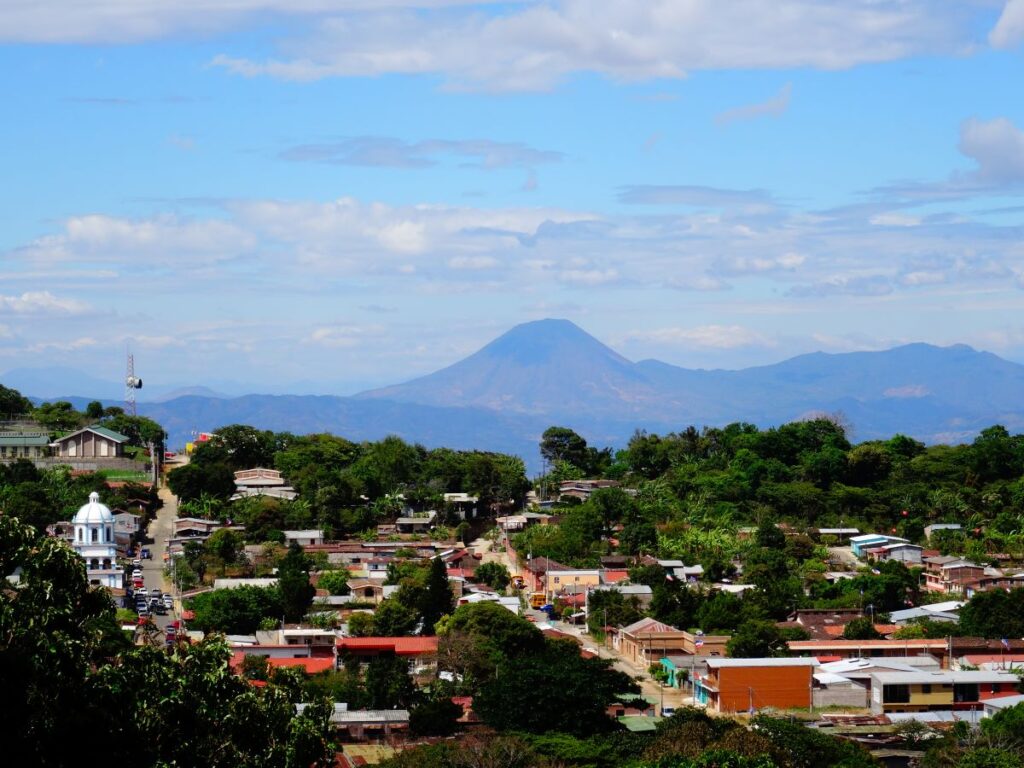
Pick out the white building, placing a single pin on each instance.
(94, 542)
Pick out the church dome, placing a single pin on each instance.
(94, 513)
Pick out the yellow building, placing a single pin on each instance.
(943, 690)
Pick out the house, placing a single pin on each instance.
(839, 533)
(463, 504)
(991, 707)
(91, 443)
(420, 522)
(941, 691)
(366, 590)
(901, 551)
(859, 545)
(367, 724)
(194, 527)
(582, 489)
(304, 538)
(647, 640)
(993, 579)
(947, 611)
(572, 579)
(749, 685)
(509, 603)
(24, 445)
(363, 649)
(236, 583)
(643, 593)
(522, 521)
(311, 665)
(819, 622)
(834, 650)
(537, 569)
(261, 481)
(930, 529)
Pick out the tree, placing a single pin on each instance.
(59, 416)
(13, 403)
(293, 582)
(769, 536)
(388, 684)
(76, 692)
(247, 447)
(224, 544)
(360, 624)
(994, 614)
(192, 481)
(493, 574)
(235, 611)
(393, 618)
(861, 628)
(335, 582)
(438, 598)
(435, 717)
(553, 690)
(755, 639)
(94, 410)
(563, 444)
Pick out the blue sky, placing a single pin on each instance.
(325, 195)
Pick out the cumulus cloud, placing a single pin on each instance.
(41, 303)
(747, 265)
(1009, 29)
(997, 146)
(773, 107)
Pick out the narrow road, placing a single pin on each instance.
(153, 569)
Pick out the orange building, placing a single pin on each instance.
(749, 685)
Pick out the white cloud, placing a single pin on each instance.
(997, 146)
(473, 262)
(534, 46)
(41, 303)
(1009, 29)
(343, 336)
(909, 391)
(772, 107)
(747, 265)
(74, 345)
(892, 219)
(704, 337)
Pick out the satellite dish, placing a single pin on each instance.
(133, 382)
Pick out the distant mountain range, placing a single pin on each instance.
(552, 372)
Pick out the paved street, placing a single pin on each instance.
(153, 569)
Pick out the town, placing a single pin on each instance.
(754, 592)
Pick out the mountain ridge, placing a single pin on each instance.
(547, 372)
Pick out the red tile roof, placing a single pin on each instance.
(401, 646)
(610, 576)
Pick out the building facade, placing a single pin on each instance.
(94, 542)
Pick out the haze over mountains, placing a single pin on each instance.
(552, 372)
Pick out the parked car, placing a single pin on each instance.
(168, 602)
(142, 591)
(146, 554)
(143, 611)
(137, 563)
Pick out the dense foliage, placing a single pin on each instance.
(76, 691)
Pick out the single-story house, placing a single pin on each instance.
(91, 443)
(304, 538)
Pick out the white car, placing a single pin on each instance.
(168, 602)
(142, 591)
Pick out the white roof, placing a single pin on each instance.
(944, 676)
(312, 534)
(235, 583)
(93, 513)
(831, 678)
(1004, 702)
(714, 663)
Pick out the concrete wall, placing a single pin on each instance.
(841, 696)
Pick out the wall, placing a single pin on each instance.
(841, 696)
(779, 687)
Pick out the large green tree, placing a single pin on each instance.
(293, 582)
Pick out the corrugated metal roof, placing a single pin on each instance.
(19, 440)
(943, 676)
(714, 663)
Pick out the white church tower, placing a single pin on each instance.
(94, 542)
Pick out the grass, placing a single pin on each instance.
(125, 475)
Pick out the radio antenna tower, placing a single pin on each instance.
(131, 383)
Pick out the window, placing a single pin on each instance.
(964, 692)
(95, 534)
(896, 694)
(926, 688)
